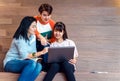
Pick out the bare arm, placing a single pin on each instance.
(41, 38)
(33, 55)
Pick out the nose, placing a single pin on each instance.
(58, 32)
(34, 28)
(47, 17)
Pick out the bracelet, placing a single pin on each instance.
(33, 54)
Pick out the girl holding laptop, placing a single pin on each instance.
(67, 67)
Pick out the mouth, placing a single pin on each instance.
(46, 19)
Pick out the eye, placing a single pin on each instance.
(34, 26)
(45, 15)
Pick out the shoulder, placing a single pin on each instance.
(52, 21)
(69, 40)
(36, 17)
(20, 40)
(53, 43)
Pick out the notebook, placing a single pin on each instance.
(57, 54)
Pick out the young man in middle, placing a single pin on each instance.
(44, 30)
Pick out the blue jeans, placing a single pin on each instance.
(28, 69)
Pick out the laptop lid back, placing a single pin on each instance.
(57, 54)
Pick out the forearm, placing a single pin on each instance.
(40, 37)
(35, 54)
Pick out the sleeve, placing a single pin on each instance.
(22, 48)
(72, 43)
(52, 23)
(37, 33)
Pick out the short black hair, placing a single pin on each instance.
(45, 7)
(23, 27)
(60, 26)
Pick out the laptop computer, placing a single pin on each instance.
(57, 54)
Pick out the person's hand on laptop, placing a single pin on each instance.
(72, 61)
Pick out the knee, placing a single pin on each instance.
(34, 65)
(66, 65)
(55, 66)
(31, 63)
(39, 66)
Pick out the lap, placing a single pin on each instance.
(16, 66)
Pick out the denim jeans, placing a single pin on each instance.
(28, 69)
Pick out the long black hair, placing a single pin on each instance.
(60, 26)
(23, 27)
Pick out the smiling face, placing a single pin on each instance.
(59, 31)
(32, 28)
(45, 16)
(58, 34)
